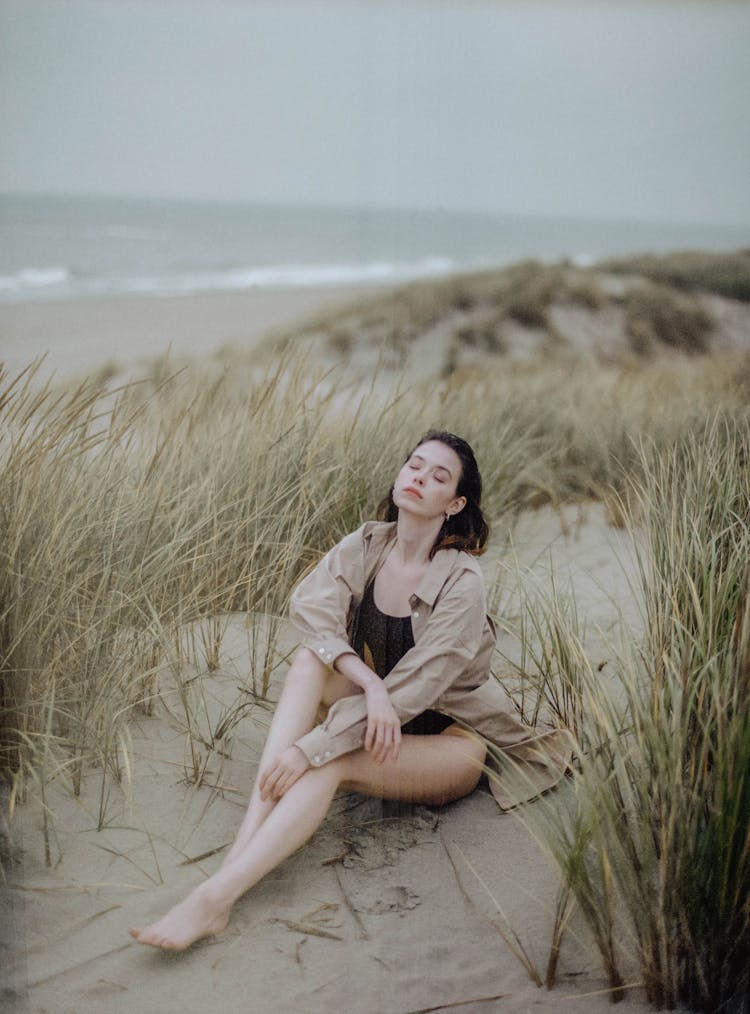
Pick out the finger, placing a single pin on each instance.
(397, 743)
(385, 744)
(377, 741)
(279, 789)
(269, 791)
(383, 747)
(392, 745)
(370, 734)
(263, 782)
(379, 747)
(286, 783)
(290, 781)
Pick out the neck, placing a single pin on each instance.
(415, 538)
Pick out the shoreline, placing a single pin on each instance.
(86, 335)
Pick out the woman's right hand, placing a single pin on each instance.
(383, 736)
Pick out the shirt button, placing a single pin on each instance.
(329, 656)
(321, 651)
(328, 754)
(415, 614)
(316, 759)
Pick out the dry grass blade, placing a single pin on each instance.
(69, 928)
(461, 1003)
(204, 855)
(509, 935)
(312, 931)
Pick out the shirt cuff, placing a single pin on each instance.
(318, 747)
(328, 650)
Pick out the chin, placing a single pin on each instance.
(407, 504)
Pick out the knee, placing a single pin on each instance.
(477, 755)
(473, 754)
(472, 745)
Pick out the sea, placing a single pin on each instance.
(54, 247)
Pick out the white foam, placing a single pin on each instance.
(51, 282)
(34, 277)
(314, 275)
(31, 283)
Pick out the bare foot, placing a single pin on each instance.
(202, 914)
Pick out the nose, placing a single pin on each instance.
(419, 479)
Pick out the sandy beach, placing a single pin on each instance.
(125, 332)
(389, 908)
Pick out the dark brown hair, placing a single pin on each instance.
(467, 530)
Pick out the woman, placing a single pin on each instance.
(397, 648)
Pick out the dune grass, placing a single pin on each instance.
(726, 274)
(129, 518)
(658, 316)
(127, 515)
(489, 311)
(654, 842)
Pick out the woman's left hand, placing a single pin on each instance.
(282, 773)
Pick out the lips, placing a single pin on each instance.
(413, 491)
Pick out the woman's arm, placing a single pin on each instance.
(320, 604)
(446, 649)
(319, 609)
(383, 735)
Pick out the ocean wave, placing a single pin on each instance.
(34, 278)
(56, 282)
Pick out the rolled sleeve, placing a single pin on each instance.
(448, 644)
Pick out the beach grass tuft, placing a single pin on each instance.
(653, 839)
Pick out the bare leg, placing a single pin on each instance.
(308, 684)
(430, 769)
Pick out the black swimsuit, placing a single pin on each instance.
(381, 641)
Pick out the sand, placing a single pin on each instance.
(125, 332)
(388, 909)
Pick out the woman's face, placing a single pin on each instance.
(426, 484)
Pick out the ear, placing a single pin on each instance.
(457, 506)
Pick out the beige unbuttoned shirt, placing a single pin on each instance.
(448, 669)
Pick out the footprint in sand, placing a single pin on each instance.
(390, 899)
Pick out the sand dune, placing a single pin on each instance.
(388, 909)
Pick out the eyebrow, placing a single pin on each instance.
(442, 468)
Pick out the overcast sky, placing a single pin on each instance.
(600, 109)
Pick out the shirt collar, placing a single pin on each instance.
(436, 575)
(437, 571)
